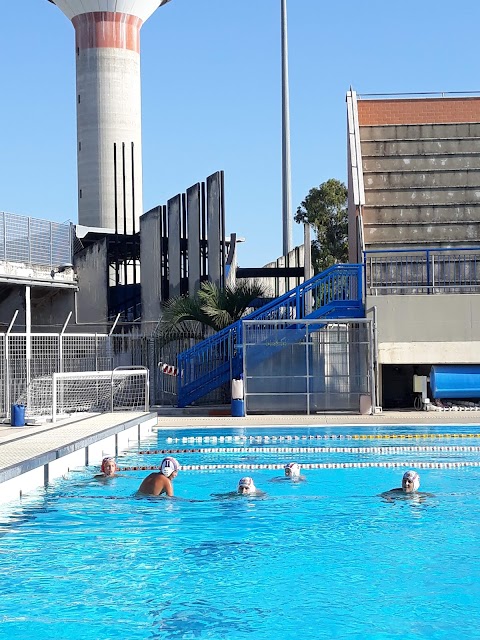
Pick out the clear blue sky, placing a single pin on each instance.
(211, 97)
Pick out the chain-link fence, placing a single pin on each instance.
(308, 366)
(27, 360)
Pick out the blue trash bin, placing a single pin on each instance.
(17, 415)
(238, 408)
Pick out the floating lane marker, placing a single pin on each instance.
(378, 450)
(320, 465)
(274, 438)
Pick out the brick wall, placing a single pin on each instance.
(419, 111)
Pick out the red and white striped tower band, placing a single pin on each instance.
(109, 146)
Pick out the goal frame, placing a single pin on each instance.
(118, 372)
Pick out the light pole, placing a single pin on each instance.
(286, 173)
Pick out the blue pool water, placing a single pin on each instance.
(325, 558)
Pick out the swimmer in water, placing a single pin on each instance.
(108, 468)
(246, 487)
(160, 482)
(409, 488)
(292, 473)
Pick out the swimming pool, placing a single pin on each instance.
(324, 558)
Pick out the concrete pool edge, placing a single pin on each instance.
(35, 459)
(385, 419)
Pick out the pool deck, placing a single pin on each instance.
(25, 449)
(419, 418)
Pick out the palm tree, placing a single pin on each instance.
(211, 307)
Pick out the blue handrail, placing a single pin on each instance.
(336, 292)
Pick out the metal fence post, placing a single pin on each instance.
(307, 367)
(7, 363)
(428, 271)
(60, 343)
(54, 398)
(147, 391)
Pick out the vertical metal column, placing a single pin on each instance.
(7, 363)
(286, 171)
(307, 364)
(28, 339)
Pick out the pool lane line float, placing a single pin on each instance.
(270, 439)
(391, 449)
(319, 465)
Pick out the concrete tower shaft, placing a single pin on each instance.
(109, 146)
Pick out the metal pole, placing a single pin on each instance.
(28, 339)
(286, 173)
(7, 364)
(307, 265)
(60, 343)
(307, 364)
(54, 398)
(374, 361)
(114, 324)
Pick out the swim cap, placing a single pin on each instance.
(105, 460)
(294, 470)
(247, 482)
(168, 466)
(414, 477)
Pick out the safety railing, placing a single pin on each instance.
(337, 292)
(35, 242)
(422, 271)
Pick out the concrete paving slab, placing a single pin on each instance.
(348, 420)
(22, 451)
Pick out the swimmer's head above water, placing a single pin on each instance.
(246, 485)
(410, 481)
(169, 467)
(292, 470)
(109, 466)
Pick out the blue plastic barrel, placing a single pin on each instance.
(238, 408)
(17, 415)
(455, 381)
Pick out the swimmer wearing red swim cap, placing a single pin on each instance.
(109, 467)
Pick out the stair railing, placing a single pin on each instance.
(218, 359)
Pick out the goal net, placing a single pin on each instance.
(123, 389)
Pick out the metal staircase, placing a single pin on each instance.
(334, 293)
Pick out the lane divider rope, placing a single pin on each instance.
(319, 465)
(381, 450)
(367, 436)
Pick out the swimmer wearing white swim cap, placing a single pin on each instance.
(410, 481)
(168, 466)
(161, 482)
(409, 489)
(292, 470)
(246, 486)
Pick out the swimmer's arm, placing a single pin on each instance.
(169, 488)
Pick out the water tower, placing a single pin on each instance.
(109, 147)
